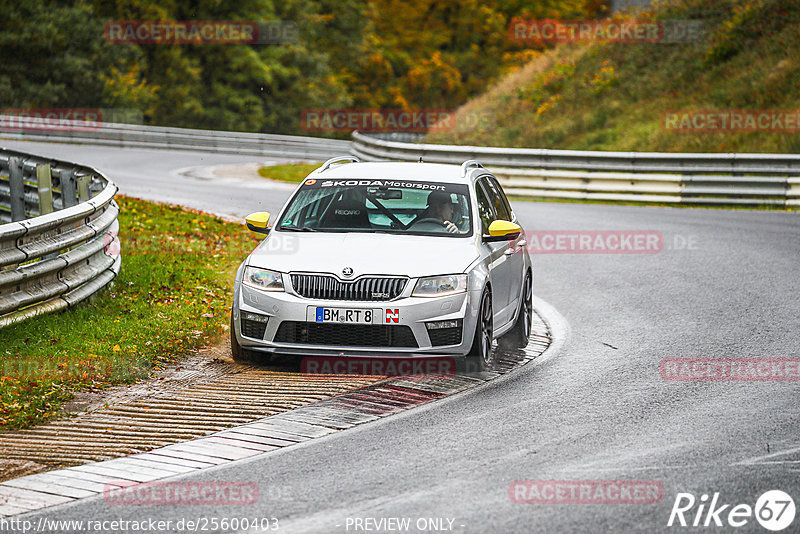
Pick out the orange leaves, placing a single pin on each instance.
(434, 80)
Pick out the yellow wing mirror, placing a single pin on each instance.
(257, 222)
(503, 231)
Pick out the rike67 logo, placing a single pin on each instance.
(774, 510)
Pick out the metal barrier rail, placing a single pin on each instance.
(718, 179)
(59, 243)
(137, 136)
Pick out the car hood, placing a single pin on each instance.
(412, 256)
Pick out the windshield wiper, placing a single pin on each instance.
(296, 229)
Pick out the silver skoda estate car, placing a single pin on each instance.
(386, 260)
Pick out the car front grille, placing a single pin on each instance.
(327, 287)
(345, 335)
(445, 336)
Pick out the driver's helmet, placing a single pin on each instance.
(440, 197)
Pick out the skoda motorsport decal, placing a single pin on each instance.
(424, 186)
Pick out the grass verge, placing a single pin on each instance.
(291, 172)
(171, 298)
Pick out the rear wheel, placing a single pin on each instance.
(239, 354)
(480, 355)
(517, 337)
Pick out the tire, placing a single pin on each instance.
(517, 337)
(480, 355)
(237, 352)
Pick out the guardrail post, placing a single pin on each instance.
(94, 187)
(83, 187)
(44, 184)
(69, 193)
(17, 189)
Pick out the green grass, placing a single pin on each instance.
(172, 297)
(614, 96)
(292, 172)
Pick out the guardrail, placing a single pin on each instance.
(157, 137)
(702, 179)
(58, 235)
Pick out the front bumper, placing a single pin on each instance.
(405, 311)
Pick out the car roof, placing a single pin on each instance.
(394, 170)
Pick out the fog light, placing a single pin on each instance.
(436, 325)
(247, 316)
(254, 325)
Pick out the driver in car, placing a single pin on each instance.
(441, 207)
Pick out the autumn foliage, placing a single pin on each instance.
(350, 53)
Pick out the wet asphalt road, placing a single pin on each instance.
(726, 285)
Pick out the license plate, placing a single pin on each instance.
(344, 315)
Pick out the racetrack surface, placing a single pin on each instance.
(598, 409)
(166, 176)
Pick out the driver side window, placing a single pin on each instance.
(500, 205)
(485, 210)
(310, 212)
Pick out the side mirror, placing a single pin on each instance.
(257, 222)
(502, 231)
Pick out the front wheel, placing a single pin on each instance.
(517, 337)
(480, 355)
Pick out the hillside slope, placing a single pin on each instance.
(617, 96)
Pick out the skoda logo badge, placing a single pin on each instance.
(347, 271)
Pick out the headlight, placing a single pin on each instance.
(440, 286)
(263, 279)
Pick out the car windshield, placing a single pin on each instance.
(390, 206)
